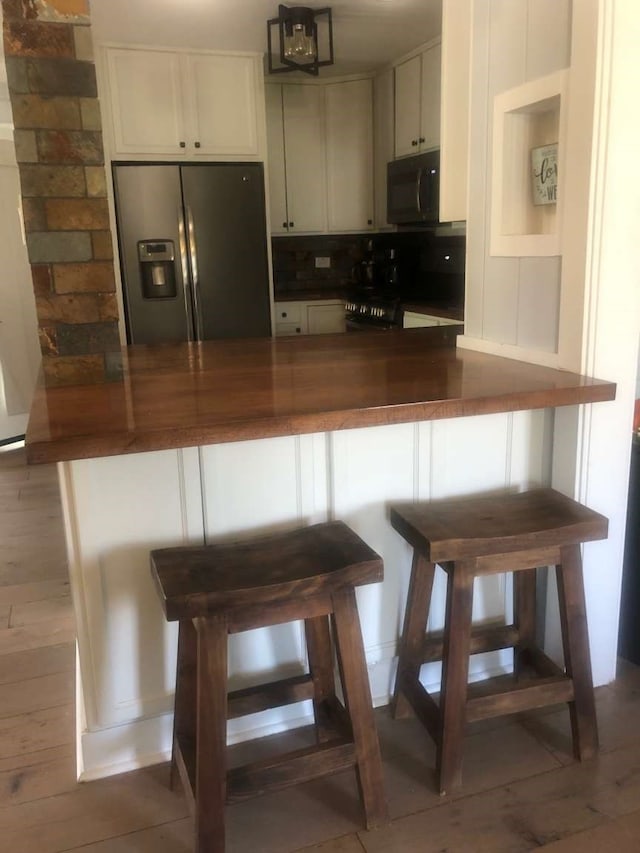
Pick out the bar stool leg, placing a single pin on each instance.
(184, 718)
(357, 694)
(410, 658)
(211, 767)
(524, 593)
(320, 654)
(455, 671)
(575, 640)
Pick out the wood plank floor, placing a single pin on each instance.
(522, 790)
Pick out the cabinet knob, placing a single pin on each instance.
(369, 221)
(197, 144)
(422, 139)
(298, 330)
(291, 225)
(284, 224)
(183, 145)
(414, 142)
(284, 313)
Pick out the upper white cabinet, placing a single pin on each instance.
(383, 142)
(223, 112)
(320, 156)
(417, 103)
(349, 120)
(275, 161)
(168, 102)
(303, 114)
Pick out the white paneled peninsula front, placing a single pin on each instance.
(210, 441)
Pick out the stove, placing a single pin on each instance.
(372, 311)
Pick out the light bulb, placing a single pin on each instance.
(299, 45)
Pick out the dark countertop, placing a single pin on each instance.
(437, 309)
(187, 394)
(311, 295)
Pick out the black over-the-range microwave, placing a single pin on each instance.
(413, 189)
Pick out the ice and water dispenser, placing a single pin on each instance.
(157, 268)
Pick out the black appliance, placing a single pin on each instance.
(412, 267)
(193, 251)
(374, 300)
(413, 190)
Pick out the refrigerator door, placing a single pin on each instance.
(153, 257)
(226, 224)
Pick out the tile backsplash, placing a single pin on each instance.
(294, 263)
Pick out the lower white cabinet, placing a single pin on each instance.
(415, 320)
(310, 318)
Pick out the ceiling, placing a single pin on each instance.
(367, 34)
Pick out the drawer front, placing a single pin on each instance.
(290, 312)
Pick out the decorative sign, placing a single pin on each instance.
(544, 174)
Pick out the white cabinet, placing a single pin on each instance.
(310, 318)
(165, 102)
(324, 319)
(320, 157)
(275, 161)
(415, 320)
(383, 142)
(222, 95)
(417, 103)
(349, 125)
(297, 181)
(303, 119)
(291, 318)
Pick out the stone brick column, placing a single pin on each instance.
(58, 139)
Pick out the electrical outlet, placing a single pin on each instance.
(323, 263)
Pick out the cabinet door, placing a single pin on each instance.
(146, 102)
(285, 330)
(383, 132)
(305, 157)
(430, 100)
(222, 95)
(349, 124)
(275, 160)
(324, 319)
(407, 89)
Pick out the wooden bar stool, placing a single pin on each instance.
(471, 537)
(216, 590)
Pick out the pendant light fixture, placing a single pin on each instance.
(299, 49)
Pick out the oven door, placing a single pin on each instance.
(369, 324)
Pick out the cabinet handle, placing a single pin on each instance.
(414, 142)
(197, 144)
(183, 145)
(291, 225)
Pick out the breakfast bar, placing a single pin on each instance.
(223, 439)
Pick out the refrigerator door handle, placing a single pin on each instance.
(193, 259)
(185, 270)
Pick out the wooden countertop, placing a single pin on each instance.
(182, 395)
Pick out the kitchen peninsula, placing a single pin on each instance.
(201, 442)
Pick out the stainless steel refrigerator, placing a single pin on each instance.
(193, 251)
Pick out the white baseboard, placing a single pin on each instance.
(141, 743)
